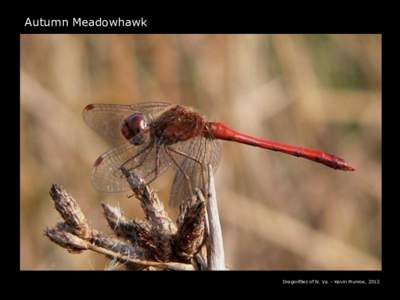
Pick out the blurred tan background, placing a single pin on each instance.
(277, 212)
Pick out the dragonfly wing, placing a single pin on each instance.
(107, 119)
(201, 149)
(107, 175)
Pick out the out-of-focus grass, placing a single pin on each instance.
(278, 212)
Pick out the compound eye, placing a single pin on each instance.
(136, 123)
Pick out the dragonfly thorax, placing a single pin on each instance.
(177, 124)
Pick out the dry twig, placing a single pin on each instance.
(154, 243)
(215, 249)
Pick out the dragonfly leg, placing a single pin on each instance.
(141, 161)
(167, 149)
(193, 159)
(147, 148)
(155, 174)
(156, 170)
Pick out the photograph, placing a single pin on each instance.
(236, 152)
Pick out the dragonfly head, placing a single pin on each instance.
(135, 129)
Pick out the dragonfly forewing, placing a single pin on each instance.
(107, 119)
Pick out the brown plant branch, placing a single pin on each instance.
(190, 236)
(118, 250)
(136, 231)
(154, 243)
(70, 211)
(151, 205)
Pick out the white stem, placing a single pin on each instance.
(215, 251)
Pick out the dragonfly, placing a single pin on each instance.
(149, 138)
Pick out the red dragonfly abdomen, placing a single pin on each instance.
(221, 131)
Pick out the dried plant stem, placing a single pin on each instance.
(75, 235)
(152, 206)
(215, 245)
(154, 243)
(173, 266)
